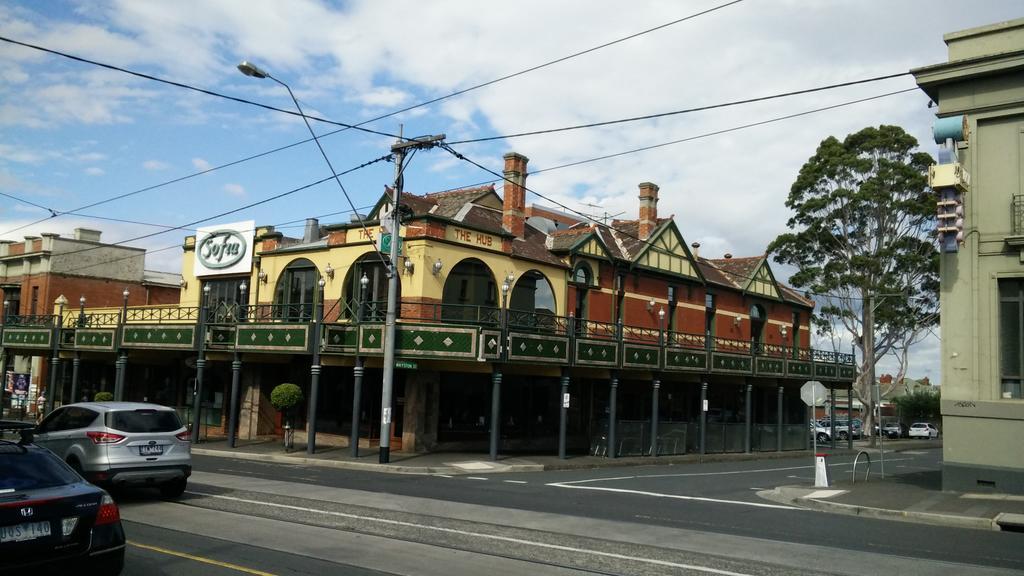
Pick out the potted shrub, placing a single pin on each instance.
(103, 397)
(285, 397)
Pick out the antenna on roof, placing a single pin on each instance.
(603, 217)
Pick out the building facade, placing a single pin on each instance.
(520, 328)
(982, 284)
(37, 272)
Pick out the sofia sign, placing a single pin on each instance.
(224, 249)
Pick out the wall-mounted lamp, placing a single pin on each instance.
(183, 283)
(409, 266)
(436, 267)
(262, 275)
(510, 279)
(736, 320)
(329, 272)
(783, 331)
(650, 305)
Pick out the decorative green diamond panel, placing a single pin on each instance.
(86, 339)
(221, 336)
(273, 337)
(794, 368)
(158, 336)
(371, 339)
(435, 341)
(770, 366)
(27, 337)
(847, 372)
(729, 363)
(825, 370)
(596, 353)
(490, 344)
(640, 356)
(526, 347)
(676, 359)
(340, 337)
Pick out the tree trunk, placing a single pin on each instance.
(869, 365)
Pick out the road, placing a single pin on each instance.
(263, 518)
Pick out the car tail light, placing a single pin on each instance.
(185, 436)
(104, 437)
(108, 512)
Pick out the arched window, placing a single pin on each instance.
(582, 274)
(470, 294)
(533, 293)
(371, 304)
(296, 291)
(757, 321)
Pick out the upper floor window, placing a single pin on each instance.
(296, 289)
(1011, 327)
(582, 275)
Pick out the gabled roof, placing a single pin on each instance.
(739, 271)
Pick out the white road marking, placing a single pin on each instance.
(475, 478)
(515, 481)
(825, 493)
(473, 465)
(443, 476)
(758, 489)
(674, 496)
(481, 535)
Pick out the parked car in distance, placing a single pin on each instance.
(923, 430)
(892, 430)
(842, 430)
(51, 519)
(121, 444)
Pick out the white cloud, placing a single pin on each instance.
(383, 96)
(234, 189)
(155, 165)
(94, 171)
(91, 157)
(200, 164)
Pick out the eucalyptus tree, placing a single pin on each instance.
(862, 240)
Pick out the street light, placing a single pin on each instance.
(363, 283)
(81, 312)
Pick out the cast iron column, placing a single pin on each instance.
(655, 392)
(119, 368)
(236, 372)
(778, 421)
(197, 392)
(703, 416)
(832, 416)
(314, 370)
(357, 393)
(849, 416)
(74, 376)
(563, 414)
(613, 416)
(495, 411)
(750, 388)
(51, 394)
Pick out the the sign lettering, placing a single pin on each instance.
(475, 238)
(221, 249)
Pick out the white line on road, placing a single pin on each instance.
(480, 535)
(443, 475)
(515, 481)
(475, 478)
(674, 496)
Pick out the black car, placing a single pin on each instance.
(51, 519)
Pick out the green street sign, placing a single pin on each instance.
(385, 243)
(407, 364)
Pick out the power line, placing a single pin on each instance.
(700, 136)
(232, 211)
(23, 201)
(188, 86)
(684, 111)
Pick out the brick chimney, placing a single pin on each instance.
(648, 209)
(513, 217)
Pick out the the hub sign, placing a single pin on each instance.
(224, 249)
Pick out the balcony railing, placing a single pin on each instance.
(1017, 210)
(373, 312)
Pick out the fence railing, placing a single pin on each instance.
(30, 319)
(163, 314)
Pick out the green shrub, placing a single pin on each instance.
(286, 396)
(103, 397)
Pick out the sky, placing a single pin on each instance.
(74, 133)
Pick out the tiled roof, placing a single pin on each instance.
(562, 240)
(713, 275)
(792, 295)
(739, 270)
(532, 246)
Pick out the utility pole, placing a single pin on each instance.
(398, 149)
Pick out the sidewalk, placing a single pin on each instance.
(912, 497)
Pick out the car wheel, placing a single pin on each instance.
(843, 436)
(173, 489)
(109, 564)
(822, 438)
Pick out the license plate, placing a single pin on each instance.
(154, 450)
(22, 532)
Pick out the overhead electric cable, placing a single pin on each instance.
(188, 86)
(683, 111)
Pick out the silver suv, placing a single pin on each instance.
(121, 444)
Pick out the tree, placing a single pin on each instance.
(921, 404)
(861, 241)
